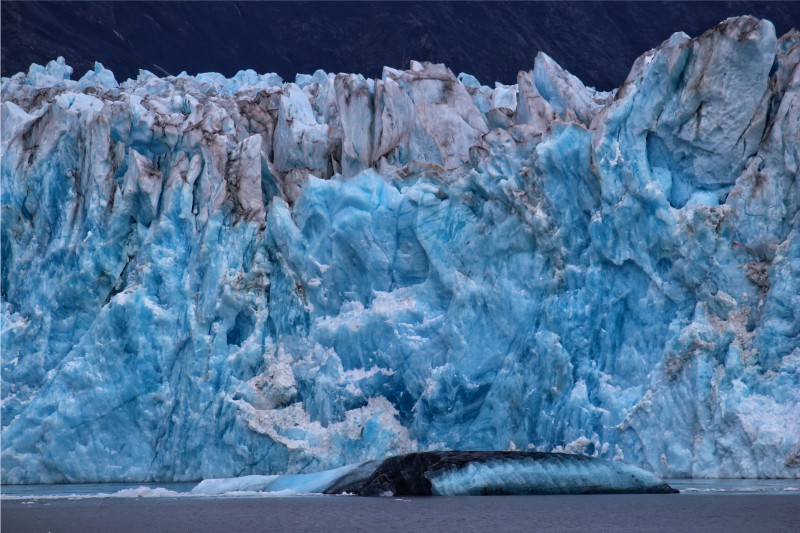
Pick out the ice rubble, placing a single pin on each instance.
(209, 277)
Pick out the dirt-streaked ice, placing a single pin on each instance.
(208, 277)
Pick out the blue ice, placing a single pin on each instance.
(210, 277)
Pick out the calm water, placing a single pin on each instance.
(706, 505)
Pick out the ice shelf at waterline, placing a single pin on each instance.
(208, 277)
(457, 473)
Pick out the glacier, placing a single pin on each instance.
(209, 277)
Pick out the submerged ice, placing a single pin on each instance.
(208, 277)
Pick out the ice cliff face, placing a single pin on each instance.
(210, 277)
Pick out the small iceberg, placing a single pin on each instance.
(458, 473)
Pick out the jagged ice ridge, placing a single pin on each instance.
(208, 277)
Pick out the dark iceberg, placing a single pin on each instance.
(458, 473)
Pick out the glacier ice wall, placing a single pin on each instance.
(209, 277)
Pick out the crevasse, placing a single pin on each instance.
(206, 277)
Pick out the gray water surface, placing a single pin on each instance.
(709, 512)
(703, 505)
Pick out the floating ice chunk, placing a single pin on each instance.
(557, 474)
(316, 482)
(457, 473)
(462, 473)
